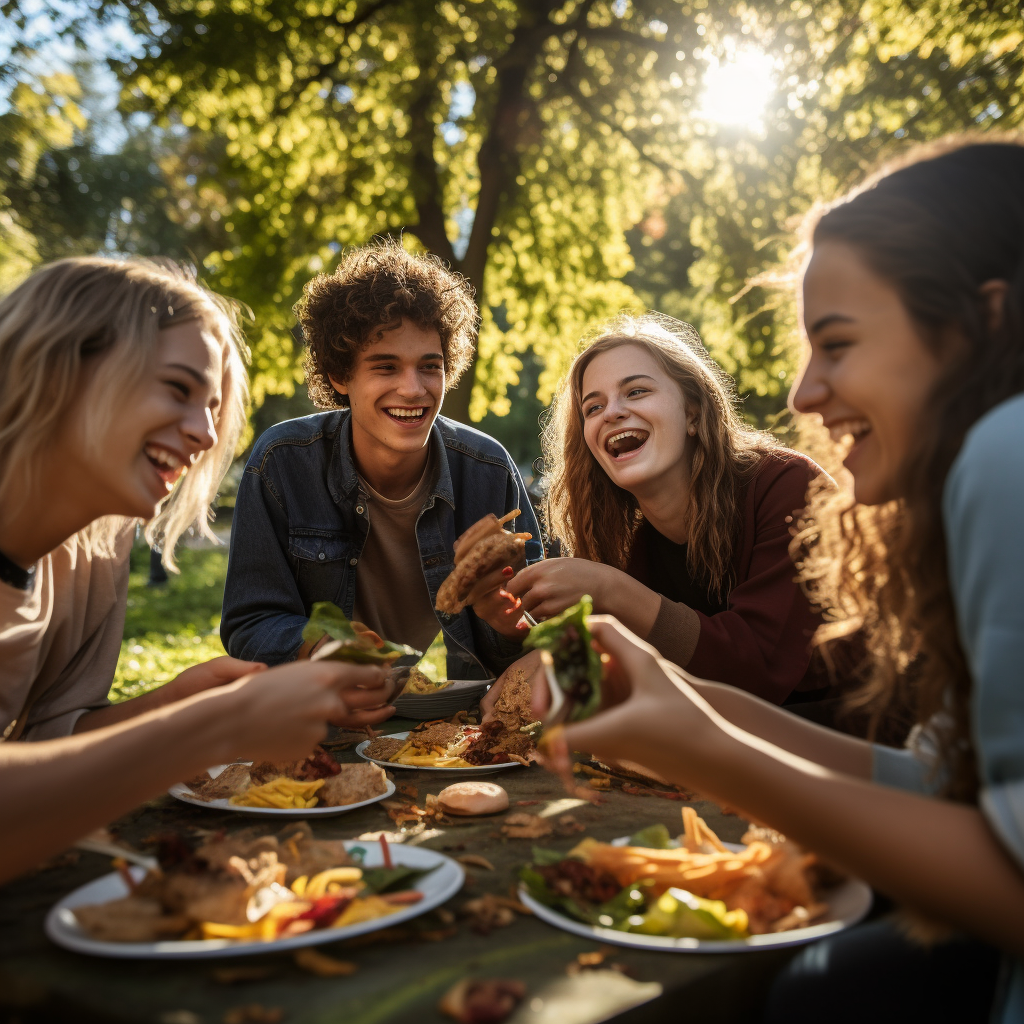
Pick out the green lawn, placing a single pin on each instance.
(169, 628)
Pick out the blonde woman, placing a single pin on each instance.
(677, 515)
(123, 397)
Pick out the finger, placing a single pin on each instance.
(523, 580)
(345, 676)
(495, 580)
(628, 649)
(356, 719)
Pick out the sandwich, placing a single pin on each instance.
(350, 641)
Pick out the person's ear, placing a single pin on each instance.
(993, 295)
(339, 386)
(691, 422)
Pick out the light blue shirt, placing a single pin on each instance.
(983, 510)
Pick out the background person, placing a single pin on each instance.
(913, 302)
(678, 516)
(361, 504)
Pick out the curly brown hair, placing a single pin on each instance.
(595, 518)
(939, 225)
(373, 289)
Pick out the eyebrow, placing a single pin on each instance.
(381, 357)
(194, 374)
(622, 383)
(831, 318)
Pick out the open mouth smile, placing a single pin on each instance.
(853, 429)
(169, 467)
(407, 416)
(626, 442)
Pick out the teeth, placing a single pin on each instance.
(407, 414)
(640, 435)
(853, 429)
(163, 457)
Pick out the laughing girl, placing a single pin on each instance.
(123, 397)
(677, 515)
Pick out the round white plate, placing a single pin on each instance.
(478, 770)
(181, 792)
(440, 885)
(848, 903)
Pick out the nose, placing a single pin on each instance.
(613, 410)
(410, 384)
(810, 391)
(201, 430)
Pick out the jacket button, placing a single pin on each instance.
(359, 510)
(321, 556)
(353, 561)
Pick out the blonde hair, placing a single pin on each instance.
(595, 518)
(107, 314)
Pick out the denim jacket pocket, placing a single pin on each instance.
(320, 559)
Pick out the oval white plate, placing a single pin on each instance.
(848, 903)
(181, 792)
(63, 928)
(480, 770)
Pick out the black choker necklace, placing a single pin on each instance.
(12, 573)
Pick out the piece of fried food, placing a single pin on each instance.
(492, 552)
(132, 919)
(383, 748)
(353, 784)
(232, 781)
(421, 684)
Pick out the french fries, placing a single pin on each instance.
(282, 793)
(432, 757)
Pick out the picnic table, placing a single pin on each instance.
(400, 973)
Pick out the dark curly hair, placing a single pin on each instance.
(374, 288)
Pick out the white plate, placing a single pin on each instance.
(181, 792)
(848, 903)
(437, 887)
(477, 770)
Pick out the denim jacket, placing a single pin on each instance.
(300, 523)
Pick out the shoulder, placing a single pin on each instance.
(473, 443)
(992, 445)
(783, 474)
(986, 480)
(298, 433)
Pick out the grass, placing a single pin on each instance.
(174, 626)
(169, 628)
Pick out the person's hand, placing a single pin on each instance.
(651, 714)
(367, 702)
(281, 714)
(207, 675)
(549, 587)
(530, 664)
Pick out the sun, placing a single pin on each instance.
(737, 89)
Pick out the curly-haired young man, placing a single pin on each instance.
(361, 504)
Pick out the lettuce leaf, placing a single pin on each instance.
(327, 619)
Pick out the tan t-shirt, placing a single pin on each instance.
(60, 640)
(391, 593)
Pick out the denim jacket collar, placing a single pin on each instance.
(343, 478)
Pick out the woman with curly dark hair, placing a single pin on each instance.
(361, 504)
(913, 303)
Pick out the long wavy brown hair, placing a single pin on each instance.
(596, 519)
(937, 226)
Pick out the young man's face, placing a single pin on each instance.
(396, 388)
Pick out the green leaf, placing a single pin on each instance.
(380, 880)
(328, 619)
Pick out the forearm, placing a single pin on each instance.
(123, 711)
(937, 857)
(633, 604)
(55, 791)
(825, 747)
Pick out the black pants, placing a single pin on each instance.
(873, 975)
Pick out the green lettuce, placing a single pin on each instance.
(577, 666)
(329, 620)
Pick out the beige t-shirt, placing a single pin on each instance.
(60, 640)
(391, 593)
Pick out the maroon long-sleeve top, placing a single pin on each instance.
(758, 637)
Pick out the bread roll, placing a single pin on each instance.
(470, 798)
